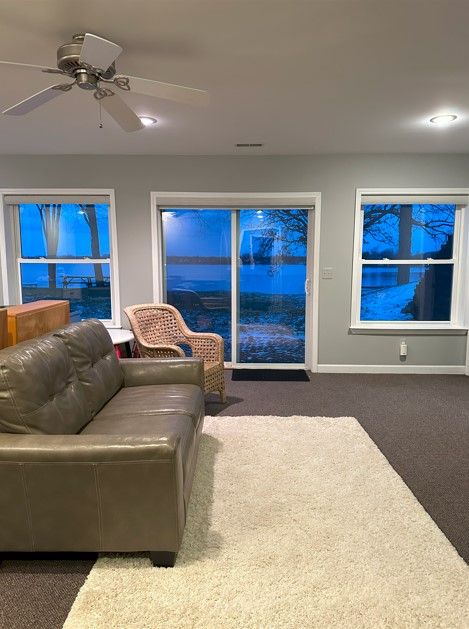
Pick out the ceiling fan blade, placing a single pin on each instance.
(36, 100)
(99, 52)
(30, 66)
(125, 117)
(168, 91)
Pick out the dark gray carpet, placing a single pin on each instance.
(39, 592)
(420, 423)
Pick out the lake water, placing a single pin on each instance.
(385, 276)
(260, 278)
(37, 274)
(286, 279)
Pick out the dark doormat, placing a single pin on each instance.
(271, 375)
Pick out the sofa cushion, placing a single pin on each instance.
(92, 352)
(154, 399)
(147, 425)
(39, 389)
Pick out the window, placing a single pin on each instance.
(406, 267)
(63, 250)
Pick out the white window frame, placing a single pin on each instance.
(459, 310)
(11, 287)
(232, 200)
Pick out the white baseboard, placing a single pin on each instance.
(437, 369)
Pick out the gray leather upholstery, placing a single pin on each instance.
(121, 484)
(39, 390)
(95, 360)
(156, 399)
(90, 493)
(173, 426)
(174, 371)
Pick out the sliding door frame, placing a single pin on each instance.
(232, 201)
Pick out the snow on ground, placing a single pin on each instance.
(387, 304)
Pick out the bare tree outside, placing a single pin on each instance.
(292, 236)
(379, 224)
(50, 221)
(89, 214)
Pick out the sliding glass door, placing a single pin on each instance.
(272, 263)
(244, 274)
(197, 268)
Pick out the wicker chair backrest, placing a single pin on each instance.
(158, 324)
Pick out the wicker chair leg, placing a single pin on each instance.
(222, 395)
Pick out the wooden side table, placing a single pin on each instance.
(3, 328)
(27, 321)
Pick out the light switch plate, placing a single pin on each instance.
(327, 273)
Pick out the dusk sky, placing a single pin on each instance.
(208, 232)
(74, 233)
(422, 242)
(197, 233)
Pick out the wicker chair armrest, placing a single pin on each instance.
(159, 351)
(208, 346)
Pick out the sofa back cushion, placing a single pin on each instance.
(92, 352)
(39, 389)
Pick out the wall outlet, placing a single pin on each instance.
(403, 348)
(327, 273)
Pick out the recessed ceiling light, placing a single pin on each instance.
(147, 121)
(443, 120)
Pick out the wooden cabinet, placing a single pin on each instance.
(3, 328)
(38, 317)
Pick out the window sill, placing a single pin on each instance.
(383, 328)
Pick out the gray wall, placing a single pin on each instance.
(336, 177)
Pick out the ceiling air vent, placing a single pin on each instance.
(249, 145)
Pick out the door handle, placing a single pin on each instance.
(307, 286)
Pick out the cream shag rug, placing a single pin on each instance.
(294, 522)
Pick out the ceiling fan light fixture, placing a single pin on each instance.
(443, 120)
(147, 121)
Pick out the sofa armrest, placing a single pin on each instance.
(90, 493)
(15, 448)
(144, 371)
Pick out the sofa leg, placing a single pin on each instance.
(163, 558)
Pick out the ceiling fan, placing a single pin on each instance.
(90, 61)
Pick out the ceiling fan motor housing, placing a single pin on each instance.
(68, 60)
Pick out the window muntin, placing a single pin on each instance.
(407, 263)
(64, 253)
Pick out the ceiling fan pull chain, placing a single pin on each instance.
(100, 115)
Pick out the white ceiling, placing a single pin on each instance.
(302, 77)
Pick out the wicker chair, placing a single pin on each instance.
(159, 329)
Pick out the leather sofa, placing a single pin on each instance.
(96, 453)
